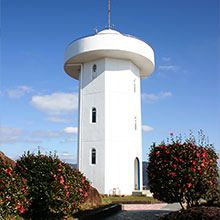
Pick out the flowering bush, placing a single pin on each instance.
(13, 191)
(182, 172)
(56, 188)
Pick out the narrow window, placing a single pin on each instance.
(93, 156)
(134, 85)
(94, 68)
(93, 115)
(135, 123)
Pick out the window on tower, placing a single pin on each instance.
(93, 156)
(93, 115)
(134, 85)
(135, 123)
(94, 68)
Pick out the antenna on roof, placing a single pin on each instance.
(109, 25)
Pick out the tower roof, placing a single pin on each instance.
(112, 44)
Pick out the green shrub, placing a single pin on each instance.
(182, 172)
(13, 191)
(56, 189)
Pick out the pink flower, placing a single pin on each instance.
(59, 198)
(175, 159)
(17, 207)
(61, 180)
(189, 184)
(60, 165)
(67, 193)
(66, 186)
(80, 190)
(199, 168)
(86, 194)
(9, 198)
(197, 154)
(167, 151)
(59, 170)
(22, 210)
(202, 164)
(210, 182)
(173, 174)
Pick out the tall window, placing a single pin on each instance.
(134, 85)
(93, 115)
(94, 68)
(93, 156)
(135, 123)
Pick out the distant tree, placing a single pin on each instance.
(182, 172)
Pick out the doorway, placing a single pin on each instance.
(136, 174)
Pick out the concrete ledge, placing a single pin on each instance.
(99, 214)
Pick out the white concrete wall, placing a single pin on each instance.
(113, 135)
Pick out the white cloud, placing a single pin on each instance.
(68, 140)
(58, 120)
(47, 134)
(19, 91)
(67, 157)
(166, 59)
(71, 130)
(8, 131)
(153, 97)
(168, 67)
(56, 103)
(147, 128)
(16, 139)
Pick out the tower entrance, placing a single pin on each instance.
(136, 174)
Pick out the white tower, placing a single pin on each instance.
(109, 67)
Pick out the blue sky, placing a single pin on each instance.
(39, 100)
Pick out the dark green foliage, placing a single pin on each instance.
(13, 191)
(56, 189)
(182, 172)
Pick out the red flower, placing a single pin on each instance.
(90, 187)
(61, 180)
(67, 193)
(80, 190)
(86, 194)
(171, 134)
(22, 210)
(197, 154)
(59, 170)
(175, 159)
(174, 165)
(210, 182)
(17, 207)
(59, 198)
(194, 162)
(157, 152)
(22, 169)
(189, 184)
(167, 151)
(202, 164)
(60, 165)
(194, 170)
(66, 186)
(9, 198)
(173, 174)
